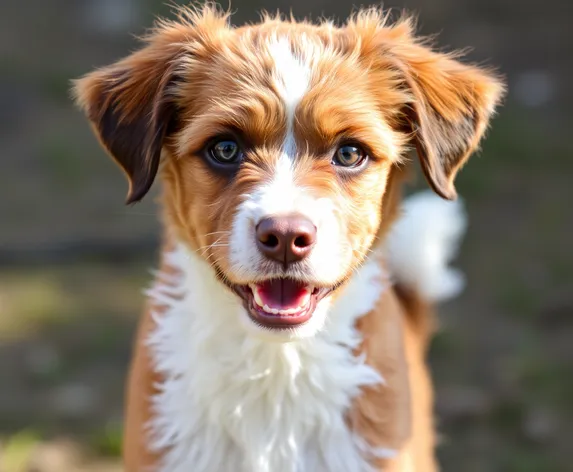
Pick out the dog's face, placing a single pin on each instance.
(277, 142)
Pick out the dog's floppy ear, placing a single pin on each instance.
(131, 104)
(130, 110)
(451, 104)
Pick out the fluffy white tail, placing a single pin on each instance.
(423, 242)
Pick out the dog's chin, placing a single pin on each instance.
(284, 309)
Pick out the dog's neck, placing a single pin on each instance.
(234, 402)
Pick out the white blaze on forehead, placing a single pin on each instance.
(292, 79)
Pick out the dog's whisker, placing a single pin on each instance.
(217, 243)
(218, 232)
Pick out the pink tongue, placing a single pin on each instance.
(282, 294)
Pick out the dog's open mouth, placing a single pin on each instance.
(281, 302)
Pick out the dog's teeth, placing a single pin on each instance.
(305, 299)
(257, 297)
(268, 309)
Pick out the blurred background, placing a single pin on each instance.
(73, 259)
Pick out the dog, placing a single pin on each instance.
(287, 327)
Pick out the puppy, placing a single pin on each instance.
(287, 327)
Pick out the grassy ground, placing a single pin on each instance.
(64, 345)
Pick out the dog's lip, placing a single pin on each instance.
(281, 319)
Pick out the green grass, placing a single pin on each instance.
(18, 449)
(107, 442)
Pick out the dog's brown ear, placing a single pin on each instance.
(131, 104)
(451, 105)
(130, 109)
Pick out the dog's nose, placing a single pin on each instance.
(286, 239)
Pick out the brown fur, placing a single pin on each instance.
(196, 78)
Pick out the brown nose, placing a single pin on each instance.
(286, 239)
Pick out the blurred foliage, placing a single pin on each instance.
(17, 451)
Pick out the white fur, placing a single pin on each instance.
(234, 402)
(292, 80)
(423, 242)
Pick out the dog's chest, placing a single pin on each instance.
(231, 402)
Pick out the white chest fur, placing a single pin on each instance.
(234, 402)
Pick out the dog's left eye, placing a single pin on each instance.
(226, 151)
(349, 155)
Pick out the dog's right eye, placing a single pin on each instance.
(226, 151)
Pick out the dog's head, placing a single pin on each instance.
(276, 142)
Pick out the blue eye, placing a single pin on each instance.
(225, 151)
(349, 156)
